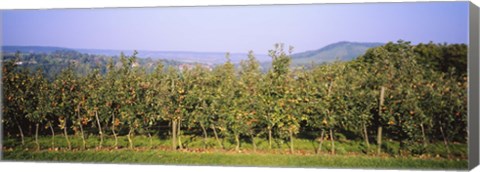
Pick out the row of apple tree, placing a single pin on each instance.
(398, 91)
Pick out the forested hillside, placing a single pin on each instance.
(344, 51)
(52, 61)
(183, 57)
(86, 59)
(415, 95)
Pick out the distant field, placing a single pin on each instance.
(346, 157)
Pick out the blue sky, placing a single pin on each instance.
(236, 29)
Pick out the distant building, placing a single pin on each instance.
(32, 62)
(182, 67)
(135, 65)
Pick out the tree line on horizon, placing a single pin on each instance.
(53, 63)
(413, 94)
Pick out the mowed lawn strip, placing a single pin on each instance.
(232, 159)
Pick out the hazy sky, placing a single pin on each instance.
(236, 28)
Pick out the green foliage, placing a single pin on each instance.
(425, 99)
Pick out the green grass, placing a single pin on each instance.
(349, 154)
(233, 159)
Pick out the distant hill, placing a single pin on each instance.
(182, 56)
(344, 51)
(52, 60)
(210, 58)
(32, 49)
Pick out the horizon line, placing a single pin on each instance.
(225, 52)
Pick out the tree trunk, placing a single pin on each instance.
(329, 112)
(333, 141)
(81, 130)
(30, 130)
(204, 136)
(129, 137)
(237, 141)
(66, 135)
(445, 141)
(379, 136)
(382, 97)
(319, 149)
(150, 138)
(291, 140)
(53, 135)
(253, 143)
(21, 133)
(99, 130)
(113, 130)
(174, 134)
(36, 137)
(423, 136)
(365, 135)
(269, 137)
(216, 136)
(379, 140)
(83, 137)
(179, 133)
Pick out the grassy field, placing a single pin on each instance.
(349, 154)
